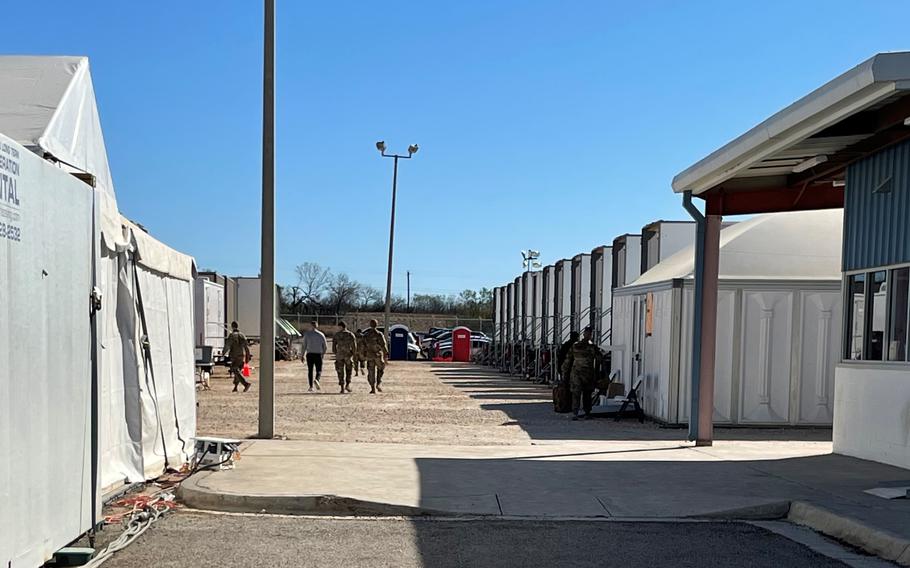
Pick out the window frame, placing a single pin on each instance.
(868, 314)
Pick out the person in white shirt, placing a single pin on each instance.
(314, 347)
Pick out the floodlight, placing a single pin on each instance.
(534, 253)
(412, 149)
(380, 146)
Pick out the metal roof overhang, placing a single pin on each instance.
(796, 159)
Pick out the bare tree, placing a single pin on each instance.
(343, 292)
(312, 283)
(370, 298)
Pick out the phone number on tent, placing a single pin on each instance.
(10, 232)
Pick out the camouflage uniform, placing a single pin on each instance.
(344, 345)
(375, 351)
(237, 351)
(581, 368)
(358, 353)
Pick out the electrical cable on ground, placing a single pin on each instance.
(146, 511)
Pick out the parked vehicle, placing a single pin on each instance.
(444, 348)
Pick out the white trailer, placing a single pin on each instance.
(548, 305)
(602, 293)
(581, 291)
(778, 324)
(210, 323)
(662, 239)
(248, 298)
(563, 300)
(626, 259)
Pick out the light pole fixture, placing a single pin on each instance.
(529, 259)
(412, 149)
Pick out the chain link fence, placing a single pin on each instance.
(415, 322)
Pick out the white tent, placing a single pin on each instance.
(69, 239)
(48, 106)
(778, 324)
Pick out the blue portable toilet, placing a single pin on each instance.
(398, 344)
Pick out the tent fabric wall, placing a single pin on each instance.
(145, 409)
(45, 387)
(120, 430)
(169, 396)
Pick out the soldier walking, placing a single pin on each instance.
(237, 350)
(581, 368)
(358, 353)
(344, 346)
(375, 351)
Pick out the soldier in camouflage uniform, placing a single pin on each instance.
(581, 367)
(344, 346)
(375, 351)
(237, 351)
(358, 353)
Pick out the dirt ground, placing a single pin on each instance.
(414, 407)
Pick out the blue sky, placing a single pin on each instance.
(550, 125)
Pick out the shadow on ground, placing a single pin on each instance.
(529, 405)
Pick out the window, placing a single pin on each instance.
(856, 299)
(897, 328)
(877, 308)
(875, 338)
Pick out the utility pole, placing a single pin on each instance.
(267, 276)
(409, 290)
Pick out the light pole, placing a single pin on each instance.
(267, 276)
(412, 149)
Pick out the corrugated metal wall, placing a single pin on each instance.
(877, 210)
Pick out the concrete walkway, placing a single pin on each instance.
(652, 474)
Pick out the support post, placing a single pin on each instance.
(708, 331)
(267, 276)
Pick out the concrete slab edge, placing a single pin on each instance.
(194, 495)
(845, 529)
(764, 512)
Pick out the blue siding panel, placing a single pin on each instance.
(877, 210)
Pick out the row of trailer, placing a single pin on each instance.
(778, 327)
(536, 312)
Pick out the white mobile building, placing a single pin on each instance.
(663, 239)
(581, 291)
(509, 329)
(602, 293)
(497, 317)
(778, 324)
(96, 314)
(563, 299)
(210, 321)
(532, 308)
(548, 305)
(626, 259)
